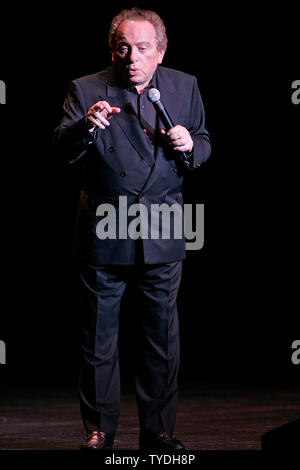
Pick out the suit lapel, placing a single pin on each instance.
(167, 95)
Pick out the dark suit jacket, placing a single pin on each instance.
(117, 162)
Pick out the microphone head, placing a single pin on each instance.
(154, 95)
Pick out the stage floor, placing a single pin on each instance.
(215, 418)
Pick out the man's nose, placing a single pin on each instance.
(133, 55)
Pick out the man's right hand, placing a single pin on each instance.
(98, 115)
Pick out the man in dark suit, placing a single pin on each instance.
(129, 158)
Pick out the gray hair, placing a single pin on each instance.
(135, 14)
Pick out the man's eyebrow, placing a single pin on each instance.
(123, 39)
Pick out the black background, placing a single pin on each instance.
(239, 301)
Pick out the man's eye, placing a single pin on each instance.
(123, 48)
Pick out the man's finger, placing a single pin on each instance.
(100, 117)
(97, 107)
(114, 110)
(96, 122)
(106, 106)
(101, 106)
(179, 141)
(176, 133)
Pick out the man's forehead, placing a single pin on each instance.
(136, 31)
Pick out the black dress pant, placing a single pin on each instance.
(157, 360)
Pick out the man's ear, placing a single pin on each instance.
(161, 56)
(113, 57)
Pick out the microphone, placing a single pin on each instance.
(154, 97)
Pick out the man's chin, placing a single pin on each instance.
(134, 81)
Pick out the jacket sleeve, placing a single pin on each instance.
(202, 148)
(72, 137)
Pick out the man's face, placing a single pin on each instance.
(136, 55)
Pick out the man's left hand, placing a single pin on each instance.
(179, 138)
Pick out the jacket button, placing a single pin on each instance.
(123, 173)
(111, 149)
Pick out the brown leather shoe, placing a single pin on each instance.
(97, 440)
